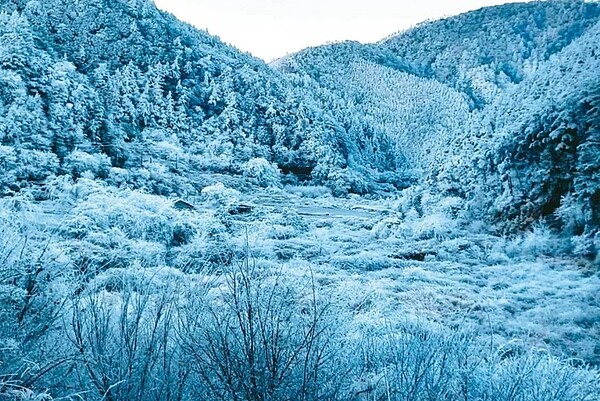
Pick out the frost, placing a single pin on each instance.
(414, 219)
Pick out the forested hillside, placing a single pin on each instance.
(483, 52)
(536, 147)
(497, 106)
(384, 109)
(129, 94)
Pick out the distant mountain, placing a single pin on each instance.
(383, 102)
(497, 106)
(485, 51)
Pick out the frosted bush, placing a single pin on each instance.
(343, 182)
(84, 188)
(18, 393)
(148, 253)
(410, 201)
(262, 173)
(138, 215)
(417, 362)
(542, 241)
(136, 277)
(80, 162)
(286, 225)
(261, 336)
(572, 215)
(118, 176)
(8, 163)
(203, 253)
(496, 252)
(435, 226)
(585, 246)
(59, 187)
(207, 249)
(596, 245)
(11, 297)
(219, 195)
(451, 205)
(7, 155)
(37, 165)
(538, 242)
(386, 228)
(168, 149)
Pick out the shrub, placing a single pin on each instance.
(286, 225)
(346, 181)
(118, 176)
(12, 391)
(32, 294)
(537, 242)
(260, 338)
(420, 362)
(219, 195)
(138, 215)
(113, 228)
(262, 173)
(35, 165)
(123, 344)
(80, 162)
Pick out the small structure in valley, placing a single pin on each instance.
(241, 208)
(183, 205)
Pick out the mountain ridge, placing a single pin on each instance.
(433, 138)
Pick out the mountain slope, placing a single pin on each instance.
(541, 145)
(497, 106)
(129, 87)
(485, 51)
(383, 103)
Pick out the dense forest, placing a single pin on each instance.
(119, 85)
(497, 106)
(414, 219)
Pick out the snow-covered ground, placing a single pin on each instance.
(394, 288)
(380, 262)
(388, 267)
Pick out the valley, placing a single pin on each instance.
(416, 219)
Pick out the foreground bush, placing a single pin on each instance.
(418, 362)
(259, 339)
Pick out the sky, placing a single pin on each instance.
(270, 29)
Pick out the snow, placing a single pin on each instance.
(393, 267)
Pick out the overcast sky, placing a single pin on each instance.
(272, 28)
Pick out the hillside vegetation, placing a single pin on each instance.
(497, 106)
(127, 93)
